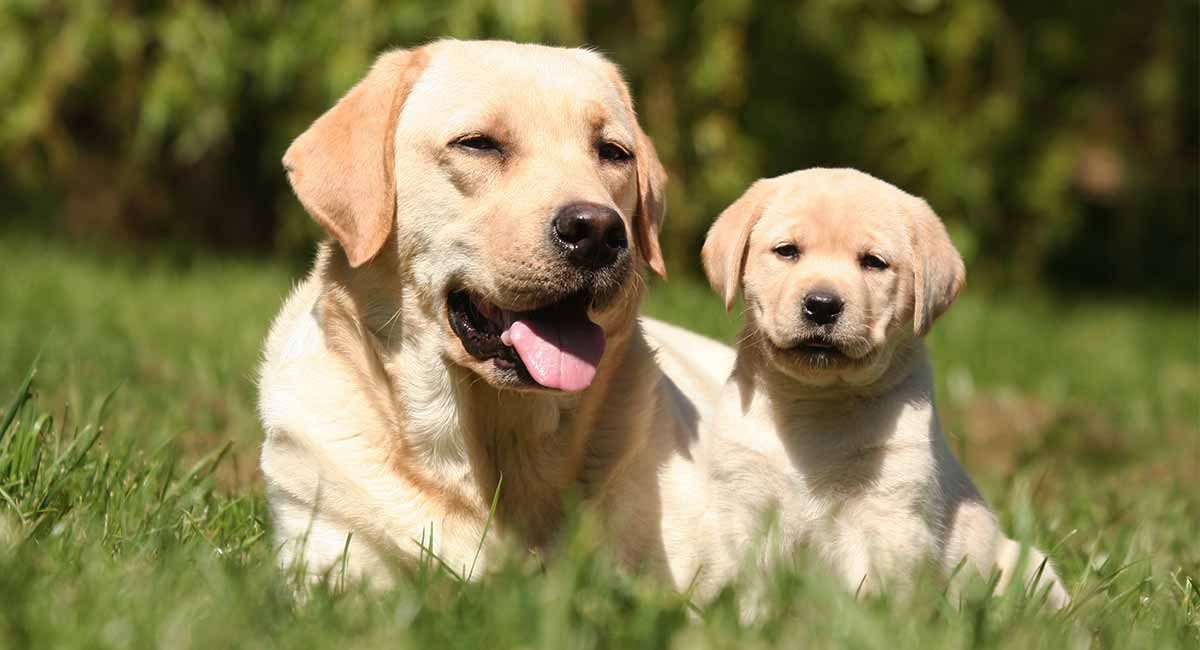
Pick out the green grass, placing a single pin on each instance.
(131, 514)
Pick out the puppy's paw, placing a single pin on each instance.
(1038, 574)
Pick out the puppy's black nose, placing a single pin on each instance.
(592, 235)
(822, 307)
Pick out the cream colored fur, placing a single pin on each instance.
(847, 455)
(385, 439)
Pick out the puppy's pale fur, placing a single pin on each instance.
(385, 438)
(846, 449)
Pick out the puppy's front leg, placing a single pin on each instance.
(973, 533)
(877, 544)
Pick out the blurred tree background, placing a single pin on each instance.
(1059, 140)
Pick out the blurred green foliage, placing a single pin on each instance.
(1058, 139)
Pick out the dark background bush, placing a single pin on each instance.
(1058, 139)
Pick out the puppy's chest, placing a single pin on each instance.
(825, 482)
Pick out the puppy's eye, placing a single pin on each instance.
(873, 262)
(478, 142)
(787, 251)
(612, 152)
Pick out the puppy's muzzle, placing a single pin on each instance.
(591, 236)
(822, 307)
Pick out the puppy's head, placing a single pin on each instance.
(513, 192)
(839, 271)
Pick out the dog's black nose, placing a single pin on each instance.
(822, 307)
(592, 235)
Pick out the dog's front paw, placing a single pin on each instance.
(1039, 574)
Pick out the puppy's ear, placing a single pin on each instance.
(342, 167)
(725, 247)
(938, 270)
(651, 180)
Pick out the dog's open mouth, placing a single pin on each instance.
(555, 346)
(819, 349)
(817, 344)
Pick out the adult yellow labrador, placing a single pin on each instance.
(474, 323)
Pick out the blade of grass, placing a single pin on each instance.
(487, 525)
(18, 401)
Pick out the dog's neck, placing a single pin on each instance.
(835, 416)
(455, 436)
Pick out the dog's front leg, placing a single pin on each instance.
(975, 535)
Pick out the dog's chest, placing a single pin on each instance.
(830, 480)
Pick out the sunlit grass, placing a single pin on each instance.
(131, 515)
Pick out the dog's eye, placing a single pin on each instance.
(612, 152)
(477, 142)
(873, 262)
(787, 251)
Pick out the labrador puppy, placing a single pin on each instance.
(470, 333)
(828, 419)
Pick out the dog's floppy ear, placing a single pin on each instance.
(651, 180)
(938, 270)
(725, 247)
(341, 168)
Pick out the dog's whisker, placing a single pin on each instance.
(390, 324)
(744, 339)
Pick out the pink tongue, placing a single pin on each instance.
(559, 352)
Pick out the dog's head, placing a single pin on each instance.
(512, 191)
(839, 271)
